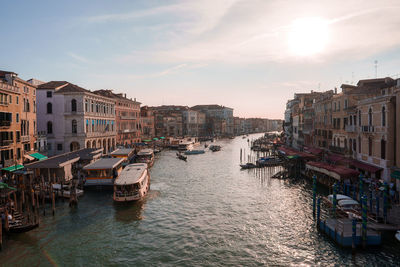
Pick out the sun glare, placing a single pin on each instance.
(308, 36)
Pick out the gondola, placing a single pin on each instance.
(181, 157)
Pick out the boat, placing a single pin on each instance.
(338, 197)
(181, 157)
(132, 184)
(126, 153)
(205, 145)
(18, 223)
(188, 145)
(248, 166)
(397, 235)
(103, 172)
(66, 192)
(348, 204)
(194, 152)
(146, 156)
(215, 148)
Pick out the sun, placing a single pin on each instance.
(308, 36)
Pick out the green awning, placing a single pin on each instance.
(162, 137)
(396, 175)
(4, 186)
(147, 140)
(293, 157)
(155, 139)
(13, 168)
(38, 156)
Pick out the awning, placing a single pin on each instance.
(396, 175)
(162, 137)
(335, 157)
(365, 166)
(313, 150)
(335, 171)
(155, 139)
(38, 156)
(13, 168)
(29, 157)
(147, 140)
(6, 186)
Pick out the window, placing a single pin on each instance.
(34, 106)
(86, 106)
(383, 149)
(370, 117)
(10, 99)
(49, 146)
(17, 117)
(369, 146)
(59, 147)
(49, 108)
(49, 127)
(354, 145)
(17, 100)
(18, 153)
(73, 105)
(359, 144)
(383, 116)
(49, 94)
(74, 126)
(345, 103)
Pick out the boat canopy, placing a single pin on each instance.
(145, 152)
(131, 174)
(338, 197)
(104, 163)
(122, 152)
(347, 202)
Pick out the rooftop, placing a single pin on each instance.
(131, 174)
(104, 163)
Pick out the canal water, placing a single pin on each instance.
(203, 212)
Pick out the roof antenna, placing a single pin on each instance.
(376, 68)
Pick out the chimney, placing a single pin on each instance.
(125, 95)
(335, 90)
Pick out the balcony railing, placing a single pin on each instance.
(128, 118)
(25, 138)
(5, 142)
(5, 123)
(351, 128)
(367, 129)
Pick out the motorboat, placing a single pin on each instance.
(132, 184)
(145, 156)
(215, 148)
(66, 192)
(248, 166)
(194, 152)
(338, 197)
(348, 204)
(187, 145)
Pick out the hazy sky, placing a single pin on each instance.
(248, 55)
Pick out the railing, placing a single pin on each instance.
(127, 194)
(6, 86)
(5, 142)
(367, 129)
(4, 103)
(25, 138)
(128, 118)
(351, 128)
(5, 123)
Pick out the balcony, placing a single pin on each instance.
(25, 138)
(128, 118)
(127, 131)
(5, 123)
(367, 129)
(351, 128)
(3, 103)
(339, 150)
(5, 143)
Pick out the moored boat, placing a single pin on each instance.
(132, 184)
(181, 157)
(103, 172)
(146, 156)
(248, 166)
(194, 152)
(66, 192)
(215, 148)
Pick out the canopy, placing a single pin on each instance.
(4, 186)
(395, 174)
(13, 168)
(162, 137)
(147, 140)
(155, 138)
(365, 166)
(29, 157)
(338, 197)
(346, 202)
(334, 171)
(38, 156)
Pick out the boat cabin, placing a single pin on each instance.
(145, 156)
(103, 172)
(125, 153)
(132, 184)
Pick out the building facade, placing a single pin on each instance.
(219, 119)
(73, 118)
(17, 118)
(147, 121)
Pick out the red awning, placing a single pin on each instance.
(314, 150)
(291, 152)
(335, 157)
(342, 171)
(365, 166)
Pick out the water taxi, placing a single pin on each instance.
(126, 153)
(132, 184)
(146, 156)
(188, 145)
(103, 171)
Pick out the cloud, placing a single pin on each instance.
(78, 57)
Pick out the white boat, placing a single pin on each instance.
(132, 184)
(348, 204)
(66, 191)
(338, 197)
(146, 156)
(187, 145)
(103, 171)
(397, 235)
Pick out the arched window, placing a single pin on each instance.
(359, 144)
(86, 106)
(370, 117)
(49, 127)
(383, 149)
(49, 108)
(369, 146)
(345, 143)
(383, 116)
(354, 145)
(73, 105)
(359, 117)
(74, 126)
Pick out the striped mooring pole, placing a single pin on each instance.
(314, 192)
(385, 201)
(364, 220)
(354, 234)
(334, 198)
(318, 211)
(361, 189)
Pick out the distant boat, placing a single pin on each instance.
(248, 166)
(215, 148)
(181, 157)
(194, 152)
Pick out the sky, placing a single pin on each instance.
(250, 55)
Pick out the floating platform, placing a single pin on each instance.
(340, 230)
